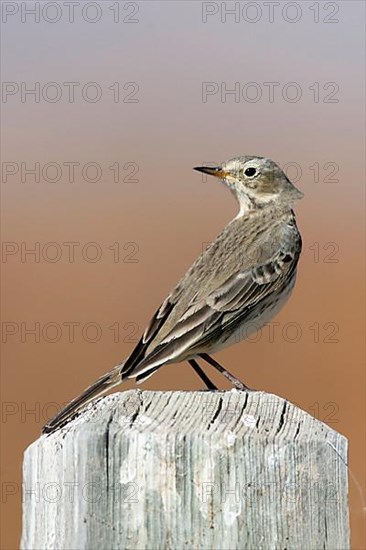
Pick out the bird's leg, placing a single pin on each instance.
(234, 381)
(201, 374)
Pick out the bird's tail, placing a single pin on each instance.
(101, 386)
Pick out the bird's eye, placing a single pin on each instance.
(250, 172)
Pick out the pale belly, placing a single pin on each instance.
(253, 322)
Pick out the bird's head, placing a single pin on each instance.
(255, 181)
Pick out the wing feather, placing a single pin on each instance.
(223, 307)
(151, 331)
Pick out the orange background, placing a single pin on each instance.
(171, 212)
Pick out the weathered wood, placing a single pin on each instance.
(195, 470)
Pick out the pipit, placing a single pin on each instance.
(234, 287)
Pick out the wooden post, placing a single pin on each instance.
(187, 470)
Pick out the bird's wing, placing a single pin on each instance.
(206, 317)
(151, 331)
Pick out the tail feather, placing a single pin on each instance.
(101, 386)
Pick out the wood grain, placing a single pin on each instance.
(196, 470)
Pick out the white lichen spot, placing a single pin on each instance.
(205, 485)
(272, 459)
(127, 472)
(231, 510)
(144, 420)
(171, 499)
(276, 457)
(249, 420)
(230, 439)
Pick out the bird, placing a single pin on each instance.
(237, 284)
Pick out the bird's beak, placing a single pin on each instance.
(216, 171)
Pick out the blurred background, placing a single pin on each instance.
(106, 107)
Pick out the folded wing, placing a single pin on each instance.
(204, 319)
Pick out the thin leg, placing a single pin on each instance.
(201, 374)
(235, 381)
